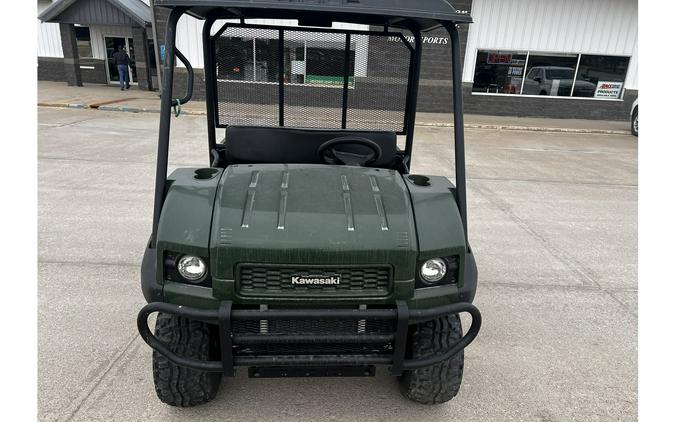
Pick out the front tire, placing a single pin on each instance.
(176, 385)
(438, 383)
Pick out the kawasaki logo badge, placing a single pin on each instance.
(312, 280)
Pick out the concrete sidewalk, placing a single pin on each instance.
(111, 98)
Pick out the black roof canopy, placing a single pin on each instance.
(425, 14)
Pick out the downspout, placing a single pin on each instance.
(158, 63)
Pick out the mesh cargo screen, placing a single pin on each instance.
(313, 78)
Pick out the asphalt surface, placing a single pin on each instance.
(552, 220)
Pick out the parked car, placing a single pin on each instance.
(555, 80)
(634, 118)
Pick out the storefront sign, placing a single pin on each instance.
(498, 58)
(504, 58)
(425, 40)
(328, 80)
(608, 89)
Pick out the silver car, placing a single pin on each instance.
(555, 81)
(634, 118)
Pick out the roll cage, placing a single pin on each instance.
(393, 16)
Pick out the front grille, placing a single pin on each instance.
(289, 349)
(308, 327)
(312, 326)
(276, 281)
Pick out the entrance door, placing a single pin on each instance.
(111, 45)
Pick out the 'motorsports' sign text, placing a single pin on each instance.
(425, 40)
(304, 280)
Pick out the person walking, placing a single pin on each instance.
(121, 60)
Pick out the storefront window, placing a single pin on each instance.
(266, 60)
(551, 75)
(256, 59)
(499, 72)
(235, 59)
(325, 64)
(83, 39)
(295, 67)
(555, 75)
(601, 76)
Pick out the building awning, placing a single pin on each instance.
(98, 12)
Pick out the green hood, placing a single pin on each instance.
(312, 215)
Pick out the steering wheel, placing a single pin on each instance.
(331, 154)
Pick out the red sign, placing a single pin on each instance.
(499, 58)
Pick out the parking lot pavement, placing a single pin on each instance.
(552, 220)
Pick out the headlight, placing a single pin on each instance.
(433, 270)
(191, 268)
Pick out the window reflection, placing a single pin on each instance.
(555, 75)
(295, 67)
(608, 72)
(234, 59)
(266, 60)
(550, 75)
(326, 63)
(305, 62)
(83, 40)
(499, 72)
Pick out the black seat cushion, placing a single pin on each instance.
(251, 144)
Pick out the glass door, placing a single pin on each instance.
(111, 45)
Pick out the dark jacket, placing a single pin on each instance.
(120, 58)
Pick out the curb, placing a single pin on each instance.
(528, 128)
(63, 105)
(148, 110)
(127, 109)
(131, 109)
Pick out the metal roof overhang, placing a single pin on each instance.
(98, 12)
(423, 14)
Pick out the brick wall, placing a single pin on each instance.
(140, 37)
(71, 61)
(97, 75)
(180, 84)
(53, 69)
(561, 108)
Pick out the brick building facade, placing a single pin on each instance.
(503, 51)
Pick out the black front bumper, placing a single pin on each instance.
(232, 339)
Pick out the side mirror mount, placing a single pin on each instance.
(190, 81)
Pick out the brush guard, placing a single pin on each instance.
(224, 317)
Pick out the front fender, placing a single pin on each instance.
(185, 221)
(439, 229)
(152, 289)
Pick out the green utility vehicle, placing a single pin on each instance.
(306, 247)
